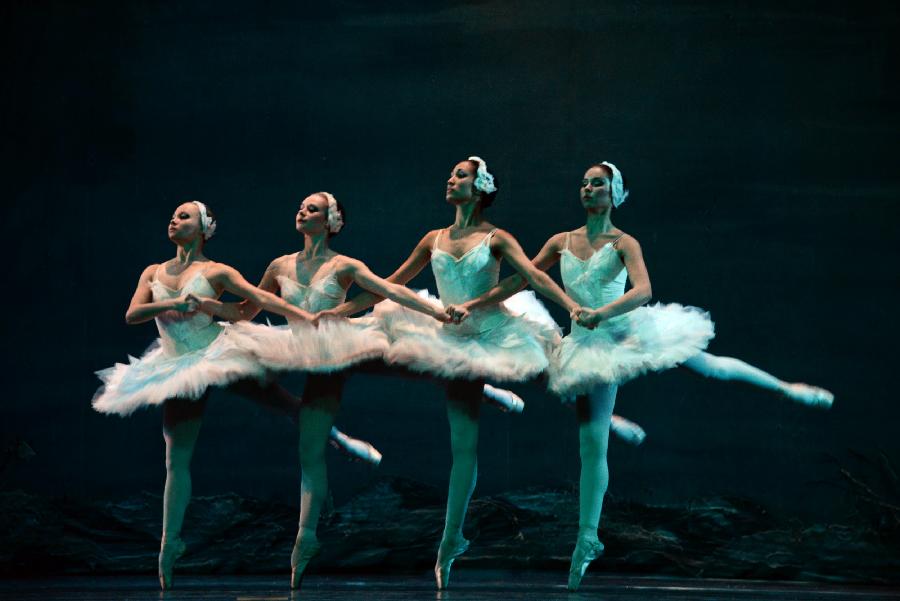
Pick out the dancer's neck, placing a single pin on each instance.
(189, 252)
(468, 215)
(315, 246)
(598, 223)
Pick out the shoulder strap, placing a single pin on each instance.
(434, 244)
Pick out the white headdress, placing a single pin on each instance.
(619, 193)
(484, 181)
(335, 219)
(207, 223)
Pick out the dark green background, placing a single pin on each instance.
(759, 141)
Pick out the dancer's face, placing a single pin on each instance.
(461, 184)
(185, 225)
(312, 218)
(596, 191)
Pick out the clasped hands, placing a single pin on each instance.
(586, 318)
(190, 303)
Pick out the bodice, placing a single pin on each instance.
(322, 293)
(594, 282)
(184, 332)
(464, 278)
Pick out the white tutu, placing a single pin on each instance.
(158, 376)
(645, 339)
(510, 342)
(333, 346)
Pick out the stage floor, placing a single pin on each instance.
(469, 585)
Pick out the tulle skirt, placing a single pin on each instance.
(332, 346)
(157, 375)
(507, 342)
(646, 339)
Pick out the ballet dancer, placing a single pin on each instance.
(618, 338)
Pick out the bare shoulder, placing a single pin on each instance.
(214, 270)
(556, 242)
(628, 243)
(150, 271)
(504, 237)
(428, 239)
(278, 264)
(347, 265)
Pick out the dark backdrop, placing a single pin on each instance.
(759, 142)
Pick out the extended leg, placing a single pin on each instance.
(627, 430)
(504, 399)
(729, 368)
(272, 395)
(181, 427)
(594, 414)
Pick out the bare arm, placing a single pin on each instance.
(245, 309)
(509, 248)
(544, 260)
(410, 268)
(364, 277)
(232, 281)
(640, 292)
(143, 308)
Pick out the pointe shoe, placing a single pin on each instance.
(169, 552)
(627, 430)
(586, 551)
(445, 561)
(300, 558)
(354, 448)
(812, 396)
(505, 400)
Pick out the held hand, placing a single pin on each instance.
(207, 305)
(186, 304)
(456, 313)
(577, 314)
(589, 319)
(327, 315)
(442, 316)
(298, 316)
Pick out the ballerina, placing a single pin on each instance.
(316, 279)
(618, 339)
(509, 342)
(191, 355)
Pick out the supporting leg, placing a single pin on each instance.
(594, 413)
(463, 405)
(322, 400)
(181, 427)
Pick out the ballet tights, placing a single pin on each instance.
(321, 403)
(593, 414)
(463, 405)
(181, 427)
(729, 368)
